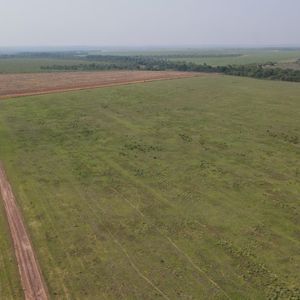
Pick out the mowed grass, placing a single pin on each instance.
(182, 189)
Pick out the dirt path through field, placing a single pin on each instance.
(16, 85)
(31, 276)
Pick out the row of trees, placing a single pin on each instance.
(102, 62)
(261, 71)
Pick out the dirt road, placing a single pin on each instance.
(15, 85)
(31, 276)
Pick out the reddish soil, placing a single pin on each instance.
(15, 85)
(31, 276)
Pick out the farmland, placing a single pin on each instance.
(38, 62)
(221, 57)
(245, 58)
(13, 85)
(182, 189)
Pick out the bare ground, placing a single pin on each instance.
(31, 277)
(15, 85)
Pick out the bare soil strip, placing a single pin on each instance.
(17, 85)
(31, 277)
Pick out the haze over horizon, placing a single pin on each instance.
(133, 23)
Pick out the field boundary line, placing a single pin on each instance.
(32, 281)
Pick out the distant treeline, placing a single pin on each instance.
(198, 55)
(110, 62)
(262, 71)
(56, 55)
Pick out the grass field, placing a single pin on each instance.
(182, 189)
(10, 287)
(251, 57)
(290, 65)
(221, 57)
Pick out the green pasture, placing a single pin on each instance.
(180, 189)
(251, 57)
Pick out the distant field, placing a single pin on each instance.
(182, 189)
(290, 65)
(214, 57)
(220, 57)
(246, 58)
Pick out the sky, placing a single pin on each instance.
(156, 23)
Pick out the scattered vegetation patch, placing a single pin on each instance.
(289, 138)
(136, 146)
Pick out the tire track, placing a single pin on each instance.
(175, 246)
(31, 277)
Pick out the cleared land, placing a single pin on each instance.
(31, 277)
(13, 85)
(181, 189)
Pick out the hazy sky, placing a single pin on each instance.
(149, 22)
